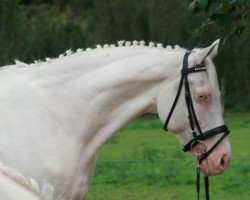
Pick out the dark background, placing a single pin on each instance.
(35, 29)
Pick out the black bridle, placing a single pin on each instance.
(194, 124)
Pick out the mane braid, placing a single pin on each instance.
(120, 44)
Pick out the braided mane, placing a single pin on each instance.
(120, 44)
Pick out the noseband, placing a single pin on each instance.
(193, 121)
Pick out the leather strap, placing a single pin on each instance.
(206, 135)
(174, 104)
(184, 72)
(193, 121)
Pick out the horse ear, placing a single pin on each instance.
(210, 51)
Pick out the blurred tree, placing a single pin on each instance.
(10, 16)
(32, 30)
(112, 20)
(50, 31)
(35, 29)
(230, 16)
(229, 19)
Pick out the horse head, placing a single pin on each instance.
(197, 110)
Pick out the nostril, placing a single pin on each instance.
(222, 162)
(225, 161)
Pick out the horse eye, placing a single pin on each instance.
(202, 97)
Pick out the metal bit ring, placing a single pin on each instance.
(204, 147)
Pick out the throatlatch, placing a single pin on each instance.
(194, 124)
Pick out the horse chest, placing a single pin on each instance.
(38, 147)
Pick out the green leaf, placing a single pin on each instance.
(240, 2)
(214, 8)
(193, 6)
(239, 31)
(202, 3)
(223, 20)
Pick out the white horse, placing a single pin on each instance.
(56, 115)
(14, 186)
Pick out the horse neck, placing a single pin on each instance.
(111, 96)
(102, 91)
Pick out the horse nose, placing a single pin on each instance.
(213, 166)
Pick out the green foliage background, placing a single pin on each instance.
(35, 29)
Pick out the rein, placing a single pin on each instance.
(194, 124)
